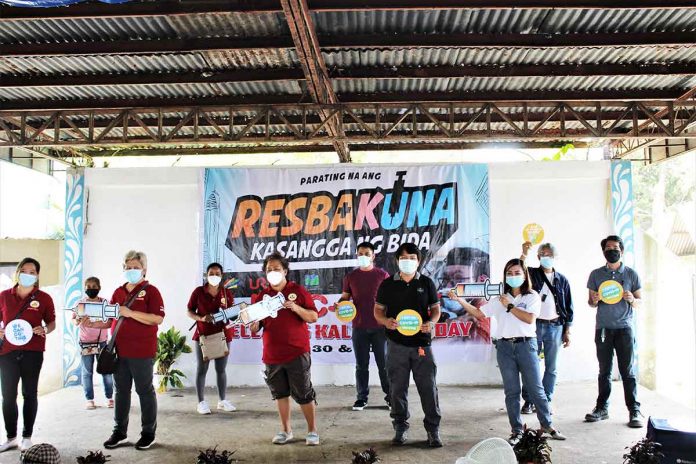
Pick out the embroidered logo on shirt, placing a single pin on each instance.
(34, 304)
(421, 290)
(292, 297)
(522, 305)
(141, 294)
(223, 301)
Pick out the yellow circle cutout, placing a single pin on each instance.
(346, 311)
(610, 292)
(409, 322)
(533, 233)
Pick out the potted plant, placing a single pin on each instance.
(170, 345)
(533, 448)
(645, 451)
(93, 457)
(211, 456)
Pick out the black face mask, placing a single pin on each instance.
(612, 256)
(92, 292)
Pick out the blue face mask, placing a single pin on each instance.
(546, 262)
(514, 281)
(450, 304)
(133, 276)
(27, 280)
(408, 266)
(364, 261)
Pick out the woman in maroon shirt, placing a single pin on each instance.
(136, 345)
(286, 348)
(205, 301)
(23, 301)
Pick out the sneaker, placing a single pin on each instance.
(110, 404)
(114, 440)
(90, 405)
(554, 434)
(359, 405)
(25, 444)
(312, 439)
(434, 440)
(597, 414)
(282, 438)
(203, 407)
(515, 438)
(8, 445)
(527, 408)
(634, 420)
(400, 437)
(226, 406)
(146, 441)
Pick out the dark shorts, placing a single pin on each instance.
(291, 379)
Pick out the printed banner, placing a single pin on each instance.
(316, 217)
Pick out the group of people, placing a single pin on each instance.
(534, 315)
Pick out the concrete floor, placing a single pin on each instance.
(470, 414)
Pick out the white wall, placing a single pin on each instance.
(157, 210)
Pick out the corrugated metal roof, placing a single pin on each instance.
(140, 28)
(558, 21)
(149, 63)
(493, 84)
(183, 91)
(412, 57)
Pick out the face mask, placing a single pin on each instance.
(274, 278)
(214, 280)
(546, 261)
(514, 281)
(612, 256)
(133, 276)
(450, 304)
(364, 261)
(408, 266)
(27, 280)
(92, 292)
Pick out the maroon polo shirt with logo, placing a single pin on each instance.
(39, 311)
(203, 303)
(135, 339)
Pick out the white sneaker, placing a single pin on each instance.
(203, 407)
(8, 445)
(282, 438)
(25, 444)
(226, 406)
(312, 439)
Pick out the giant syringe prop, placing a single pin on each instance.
(485, 290)
(95, 310)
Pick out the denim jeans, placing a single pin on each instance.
(363, 340)
(549, 339)
(515, 359)
(136, 371)
(623, 342)
(88, 373)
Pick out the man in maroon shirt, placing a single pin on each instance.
(361, 286)
(286, 351)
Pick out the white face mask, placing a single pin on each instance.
(408, 266)
(214, 280)
(274, 277)
(364, 261)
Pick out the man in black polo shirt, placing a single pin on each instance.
(408, 289)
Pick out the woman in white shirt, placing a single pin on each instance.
(515, 313)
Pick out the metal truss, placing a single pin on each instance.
(305, 125)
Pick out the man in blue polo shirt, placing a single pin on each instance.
(406, 354)
(614, 329)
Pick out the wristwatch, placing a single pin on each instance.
(509, 307)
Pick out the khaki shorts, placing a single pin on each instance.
(291, 379)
